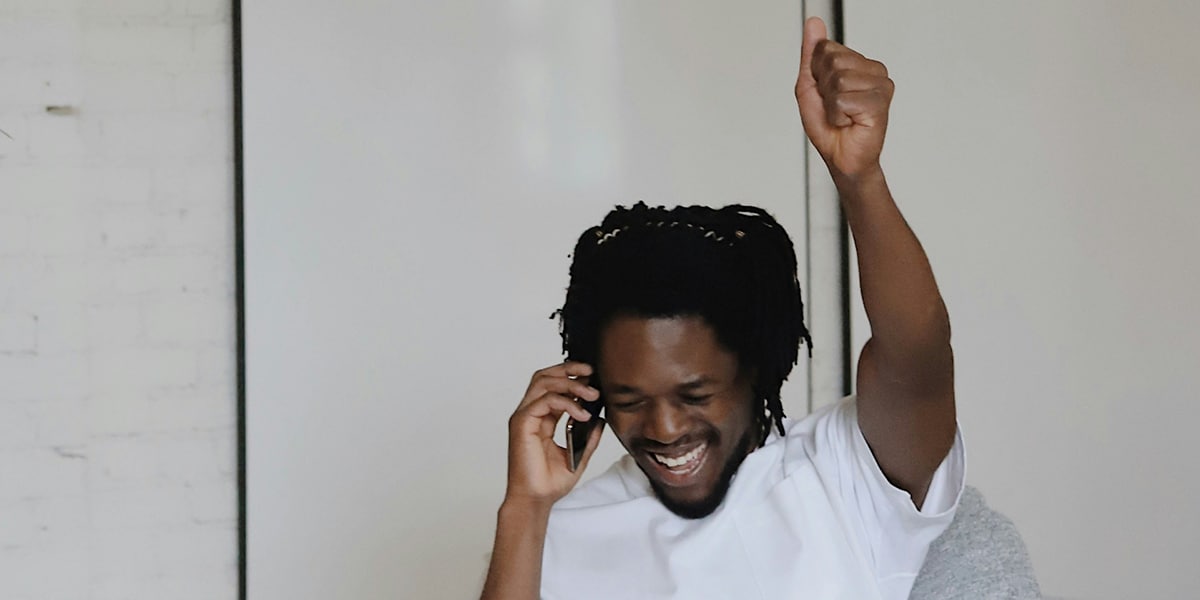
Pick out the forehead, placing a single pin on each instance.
(663, 351)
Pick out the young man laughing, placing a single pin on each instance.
(683, 324)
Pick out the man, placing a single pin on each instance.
(685, 322)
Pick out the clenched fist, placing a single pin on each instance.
(843, 98)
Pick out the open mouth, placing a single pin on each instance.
(679, 469)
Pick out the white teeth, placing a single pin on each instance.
(682, 460)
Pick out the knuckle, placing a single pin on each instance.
(838, 80)
(535, 390)
(531, 396)
(542, 379)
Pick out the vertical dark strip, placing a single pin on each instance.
(838, 27)
(847, 351)
(240, 290)
(839, 35)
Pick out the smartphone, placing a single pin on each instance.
(579, 432)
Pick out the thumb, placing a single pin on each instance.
(814, 31)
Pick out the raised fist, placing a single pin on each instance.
(843, 98)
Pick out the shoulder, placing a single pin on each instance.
(829, 430)
(840, 414)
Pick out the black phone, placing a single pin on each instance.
(578, 432)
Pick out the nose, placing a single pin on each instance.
(665, 424)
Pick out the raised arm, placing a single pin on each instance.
(538, 476)
(906, 370)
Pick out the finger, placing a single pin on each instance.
(833, 114)
(568, 368)
(593, 443)
(867, 108)
(573, 388)
(826, 55)
(541, 415)
(808, 98)
(853, 81)
(830, 57)
(843, 92)
(814, 31)
(566, 371)
(577, 369)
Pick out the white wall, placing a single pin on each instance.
(116, 418)
(116, 301)
(1045, 153)
(417, 173)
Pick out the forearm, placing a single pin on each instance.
(515, 572)
(900, 295)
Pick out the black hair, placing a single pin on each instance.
(735, 267)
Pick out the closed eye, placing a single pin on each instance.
(624, 406)
(696, 399)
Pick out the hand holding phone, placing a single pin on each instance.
(539, 470)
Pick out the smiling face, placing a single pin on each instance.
(681, 406)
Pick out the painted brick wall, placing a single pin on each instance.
(117, 381)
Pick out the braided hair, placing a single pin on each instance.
(735, 267)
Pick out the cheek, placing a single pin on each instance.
(736, 418)
(722, 423)
(621, 426)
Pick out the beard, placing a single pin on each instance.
(705, 506)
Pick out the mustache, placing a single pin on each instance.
(643, 444)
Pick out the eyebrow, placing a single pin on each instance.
(687, 386)
(694, 384)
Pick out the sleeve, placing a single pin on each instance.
(897, 535)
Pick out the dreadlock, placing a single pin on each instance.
(735, 267)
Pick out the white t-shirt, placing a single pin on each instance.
(809, 515)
